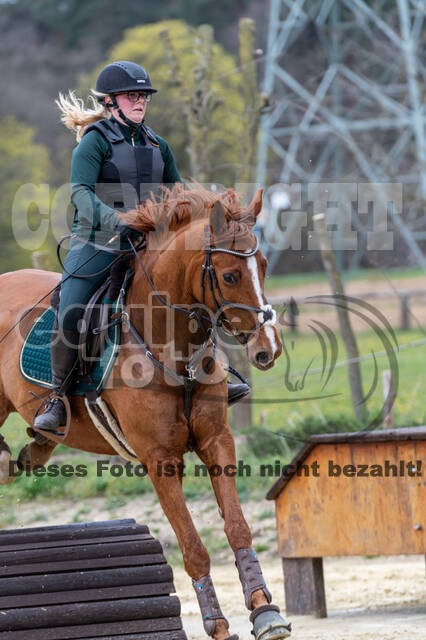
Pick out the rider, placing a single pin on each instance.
(119, 160)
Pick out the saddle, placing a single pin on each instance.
(99, 337)
(99, 342)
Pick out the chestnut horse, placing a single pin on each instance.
(201, 257)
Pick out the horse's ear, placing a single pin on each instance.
(218, 222)
(255, 206)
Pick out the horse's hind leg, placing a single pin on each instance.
(5, 453)
(32, 455)
(36, 454)
(195, 556)
(5, 456)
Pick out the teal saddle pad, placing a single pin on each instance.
(34, 358)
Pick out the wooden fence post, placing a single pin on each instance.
(405, 312)
(348, 336)
(304, 587)
(388, 399)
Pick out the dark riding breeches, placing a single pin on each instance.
(76, 292)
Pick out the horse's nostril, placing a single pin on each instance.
(262, 357)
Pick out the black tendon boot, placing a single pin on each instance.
(63, 355)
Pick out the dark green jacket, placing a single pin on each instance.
(87, 159)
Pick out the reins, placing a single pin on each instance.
(191, 367)
(73, 274)
(120, 252)
(207, 271)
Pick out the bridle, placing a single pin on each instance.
(208, 272)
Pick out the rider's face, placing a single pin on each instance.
(135, 111)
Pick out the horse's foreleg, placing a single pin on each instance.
(5, 458)
(195, 556)
(220, 453)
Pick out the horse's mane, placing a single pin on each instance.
(181, 205)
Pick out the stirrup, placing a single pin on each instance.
(237, 392)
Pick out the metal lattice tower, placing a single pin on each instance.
(356, 111)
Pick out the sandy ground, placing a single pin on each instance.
(391, 308)
(380, 598)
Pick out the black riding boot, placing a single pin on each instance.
(237, 392)
(63, 356)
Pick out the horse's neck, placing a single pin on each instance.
(165, 330)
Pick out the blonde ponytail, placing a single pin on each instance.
(76, 116)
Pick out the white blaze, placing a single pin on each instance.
(254, 272)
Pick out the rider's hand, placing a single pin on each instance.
(127, 232)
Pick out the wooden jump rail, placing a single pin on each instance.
(403, 296)
(103, 580)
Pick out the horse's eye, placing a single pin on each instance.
(230, 278)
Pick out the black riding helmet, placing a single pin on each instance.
(123, 76)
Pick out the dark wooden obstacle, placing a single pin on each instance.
(374, 506)
(103, 580)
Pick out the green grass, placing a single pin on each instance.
(261, 547)
(289, 411)
(279, 428)
(268, 513)
(368, 275)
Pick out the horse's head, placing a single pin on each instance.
(232, 280)
(206, 242)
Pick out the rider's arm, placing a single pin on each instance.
(170, 173)
(87, 159)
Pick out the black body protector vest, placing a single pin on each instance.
(131, 173)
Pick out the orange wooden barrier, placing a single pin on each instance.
(348, 494)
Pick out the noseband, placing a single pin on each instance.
(208, 272)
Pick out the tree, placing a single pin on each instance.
(22, 162)
(75, 21)
(254, 103)
(347, 333)
(242, 414)
(165, 114)
(219, 13)
(198, 104)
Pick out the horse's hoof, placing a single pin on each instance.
(24, 458)
(5, 477)
(269, 625)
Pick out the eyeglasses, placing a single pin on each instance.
(134, 96)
